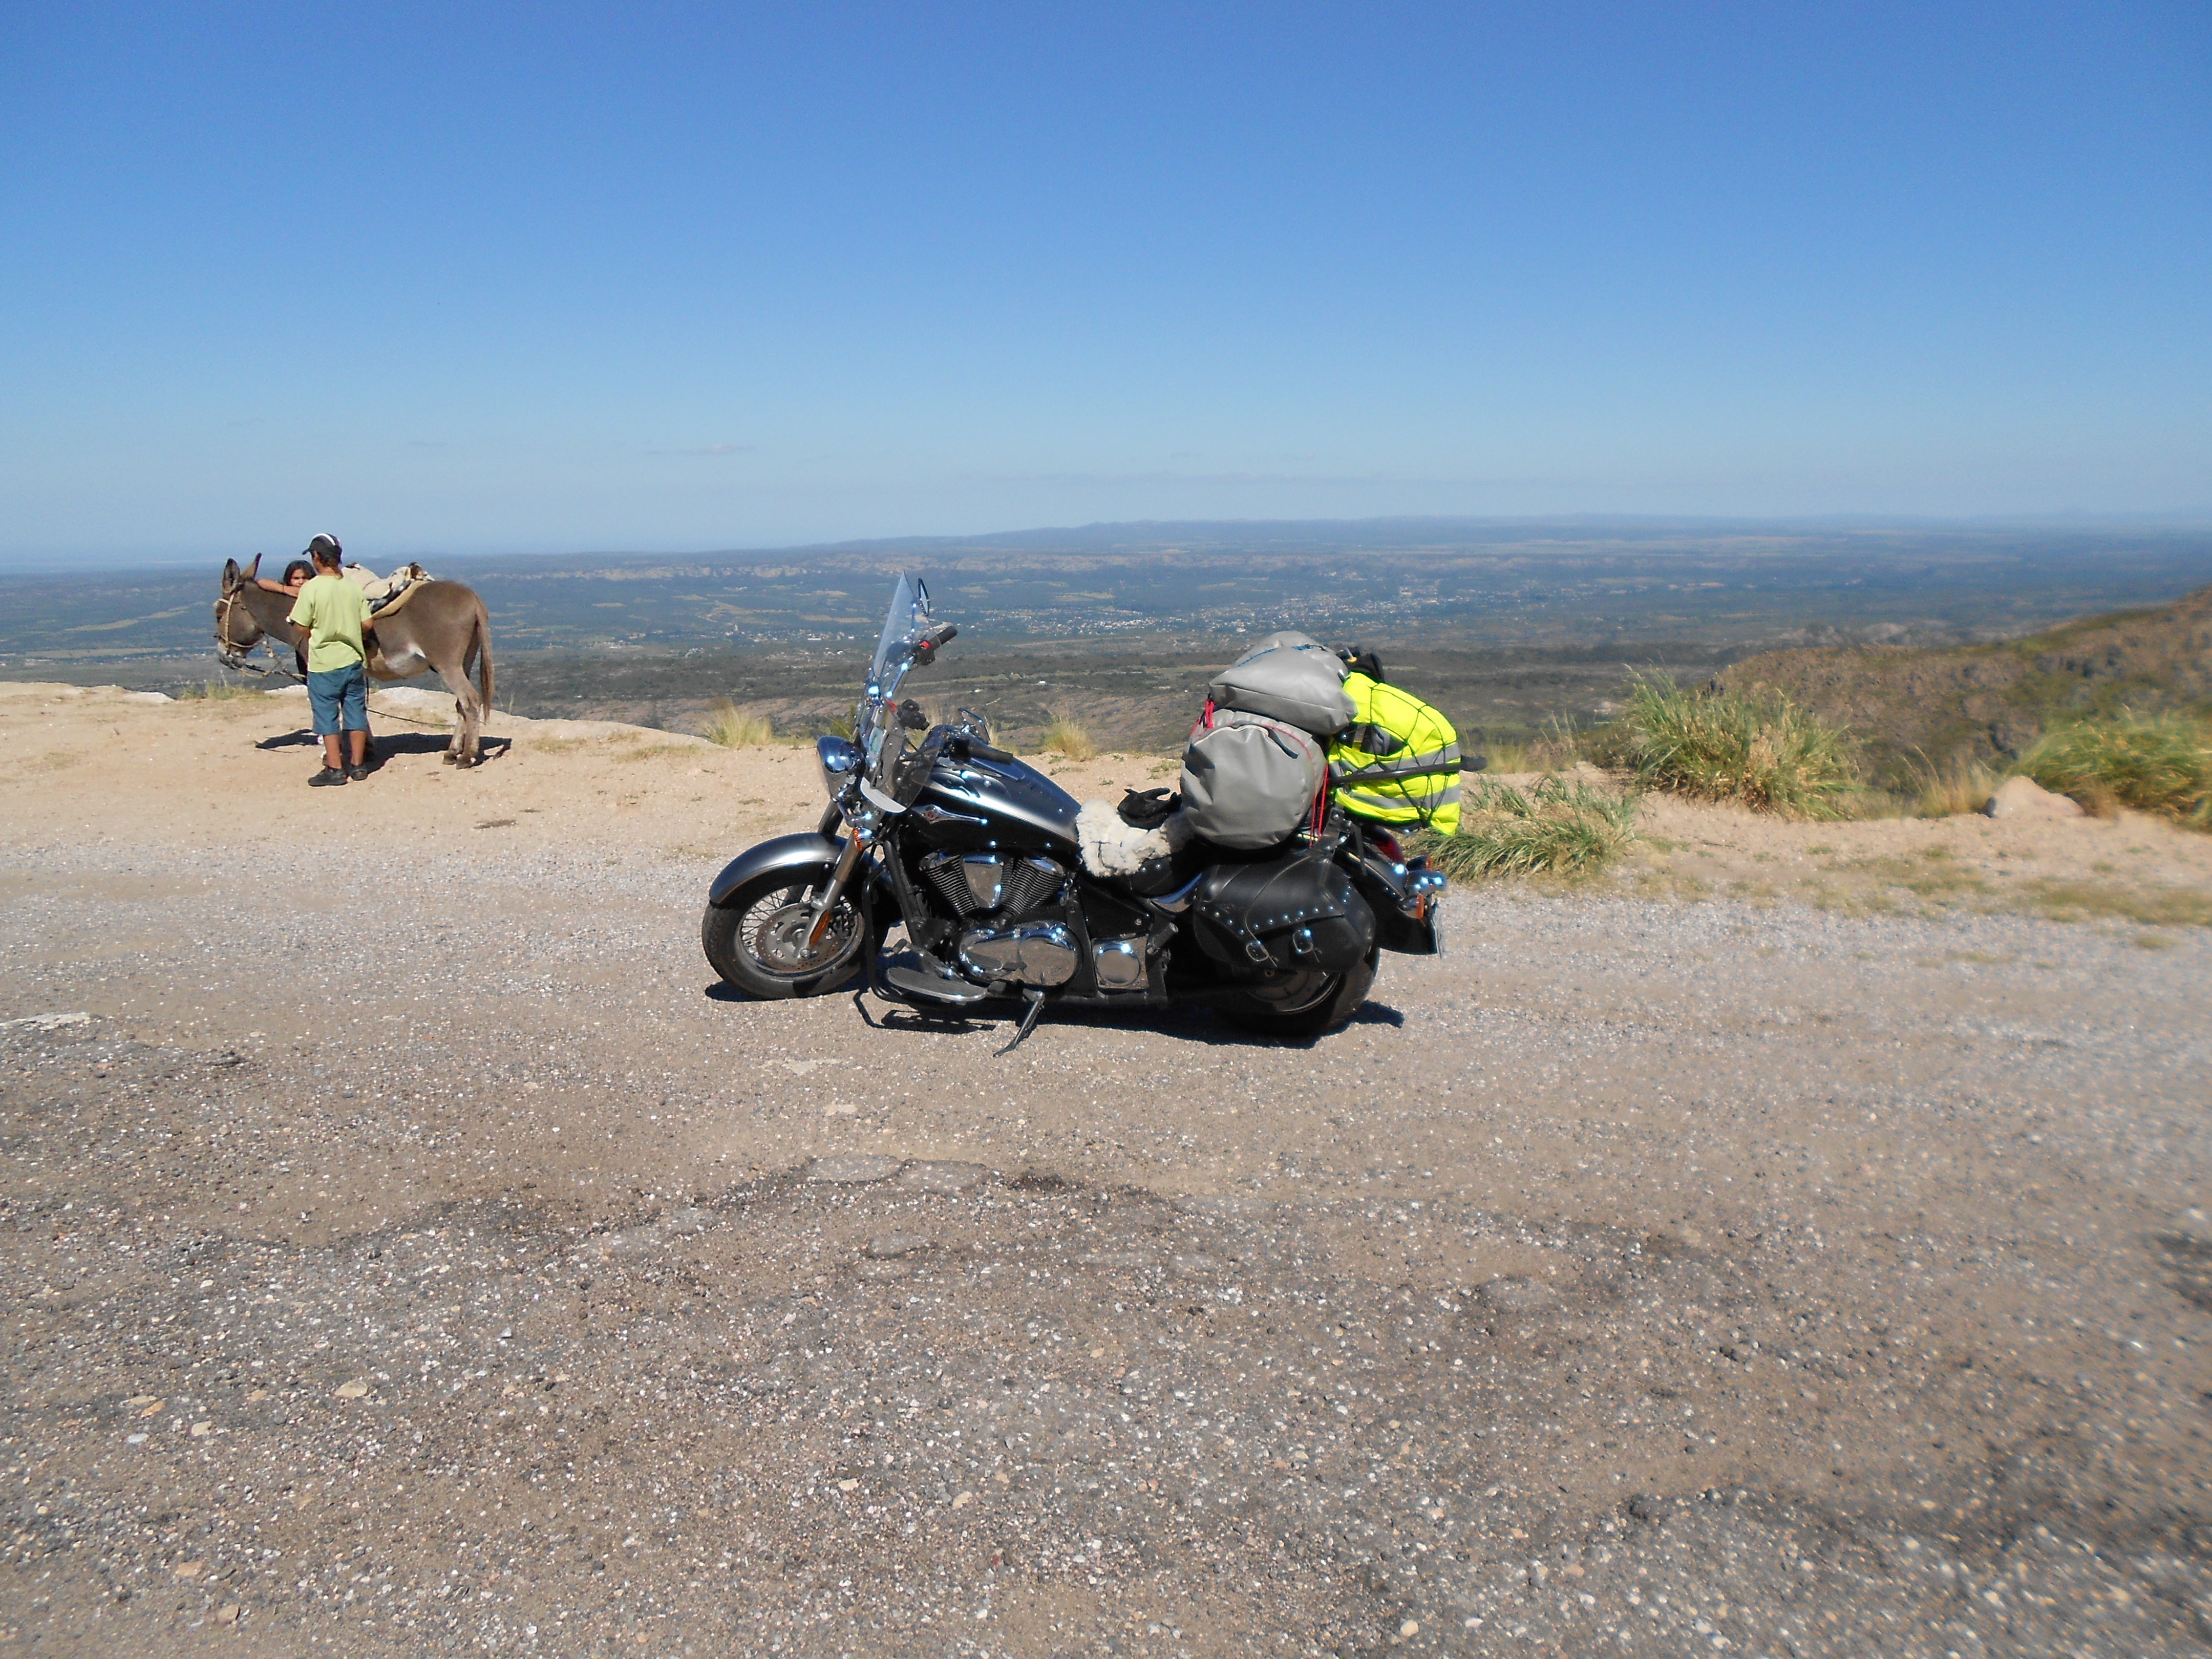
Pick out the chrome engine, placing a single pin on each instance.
(1119, 963)
(1001, 889)
(976, 884)
(1040, 954)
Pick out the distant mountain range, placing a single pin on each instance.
(1404, 533)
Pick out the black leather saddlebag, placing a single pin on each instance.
(1296, 912)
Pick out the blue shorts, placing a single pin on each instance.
(339, 697)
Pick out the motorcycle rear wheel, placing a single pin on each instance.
(1297, 1012)
(757, 941)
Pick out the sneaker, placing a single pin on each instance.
(326, 777)
(356, 773)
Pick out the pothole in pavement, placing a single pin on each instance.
(1043, 1415)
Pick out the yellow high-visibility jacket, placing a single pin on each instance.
(1398, 762)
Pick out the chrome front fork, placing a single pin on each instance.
(839, 877)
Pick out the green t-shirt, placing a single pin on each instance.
(332, 610)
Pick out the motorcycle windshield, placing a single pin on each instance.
(907, 620)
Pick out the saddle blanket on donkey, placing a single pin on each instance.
(383, 592)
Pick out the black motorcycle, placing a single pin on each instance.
(975, 857)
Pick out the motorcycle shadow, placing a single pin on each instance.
(1189, 1024)
(1186, 1024)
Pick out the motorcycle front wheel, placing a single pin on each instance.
(1302, 1006)
(758, 940)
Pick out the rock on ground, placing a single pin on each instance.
(2021, 797)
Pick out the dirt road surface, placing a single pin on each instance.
(413, 1253)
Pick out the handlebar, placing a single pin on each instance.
(926, 649)
(965, 743)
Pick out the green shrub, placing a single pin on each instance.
(1553, 828)
(737, 728)
(2159, 764)
(1755, 748)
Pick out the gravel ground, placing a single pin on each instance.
(418, 1256)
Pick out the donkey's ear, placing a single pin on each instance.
(253, 569)
(230, 573)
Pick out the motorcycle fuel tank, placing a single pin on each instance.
(1017, 804)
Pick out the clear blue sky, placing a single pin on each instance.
(668, 277)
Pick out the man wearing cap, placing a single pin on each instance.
(334, 616)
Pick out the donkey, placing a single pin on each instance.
(441, 625)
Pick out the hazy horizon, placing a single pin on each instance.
(1443, 531)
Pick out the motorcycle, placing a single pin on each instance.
(935, 831)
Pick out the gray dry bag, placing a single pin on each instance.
(1248, 782)
(1288, 677)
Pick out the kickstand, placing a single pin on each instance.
(1028, 1022)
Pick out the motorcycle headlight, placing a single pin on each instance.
(841, 761)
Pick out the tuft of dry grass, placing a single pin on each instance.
(1553, 828)
(1932, 874)
(2148, 906)
(648, 752)
(737, 728)
(1755, 748)
(2160, 764)
(1557, 747)
(1960, 787)
(1064, 734)
(217, 692)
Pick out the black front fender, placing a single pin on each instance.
(807, 857)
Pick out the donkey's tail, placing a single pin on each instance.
(484, 655)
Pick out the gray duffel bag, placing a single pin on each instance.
(1287, 676)
(1249, 781)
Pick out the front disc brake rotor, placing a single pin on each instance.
(780, 940)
